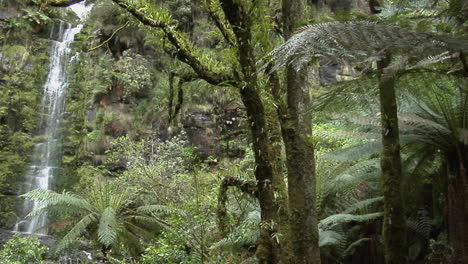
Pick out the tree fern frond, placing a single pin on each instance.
(330, 238)
(247, 233)
(150, 209)
(433, 59)
(346, 135)
(355, 42)
(352, 247)
(421, 223)
(107, 230)
(360, 205)
(65, 199)
(77, 230)
(346, 218)
(356, 152)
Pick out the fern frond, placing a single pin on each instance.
(64, 199)
(352, 247)
(355, 152)
(421, 223)
(330, 238)
(247, 233)
(360, 205)
(346, 218)
(77, 230)
(356, 42)
(153, 209)
(107, 230)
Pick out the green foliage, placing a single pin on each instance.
(133, 71)
(164, 252)
(105, 216)
(20, 250)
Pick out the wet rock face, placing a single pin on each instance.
(212, 131)
(202, 132)
(9, 12)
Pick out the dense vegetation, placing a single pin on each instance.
(237, 131)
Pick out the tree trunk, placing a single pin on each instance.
(457, 205)
(394, 226)
(300, 154)
(268, 251)
(279, 170)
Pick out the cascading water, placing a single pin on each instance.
(46, 154)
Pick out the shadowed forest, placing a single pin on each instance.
(234, 131)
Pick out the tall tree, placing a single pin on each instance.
(390, 163)
(356, 44)
(296, 129)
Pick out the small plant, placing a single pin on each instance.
(20, 250)
(440, 251)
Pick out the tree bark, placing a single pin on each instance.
(300, 153)
(457, 204)
(394, 226)
(274, 109)
(268, 250)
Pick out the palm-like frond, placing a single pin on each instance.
(247, 233)
(107, 230)
(154, 209)
(330, 238)
(359, 43)
(352, 247)
(65, 200)
(77, 230)
(106, 212)
(356, 152)
(346, 218)
(360, 205)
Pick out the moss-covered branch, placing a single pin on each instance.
(247, 187)
(184, 51)
(227, 33)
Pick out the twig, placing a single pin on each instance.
(107, 40)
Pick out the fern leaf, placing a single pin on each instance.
(346, 218)
(77, 230)
(107, 230)
(363, 204)
(153, 209)
(65, 199)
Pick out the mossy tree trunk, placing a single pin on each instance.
(268, 251)
(279, 169)
(394, 226)
(300, 163)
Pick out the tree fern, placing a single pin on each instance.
(359, 43)
(105, 215)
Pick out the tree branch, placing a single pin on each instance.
(107, 40)
(248, 187)
(228, 35)
(184, 51)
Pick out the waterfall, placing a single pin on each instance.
(46, 154)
